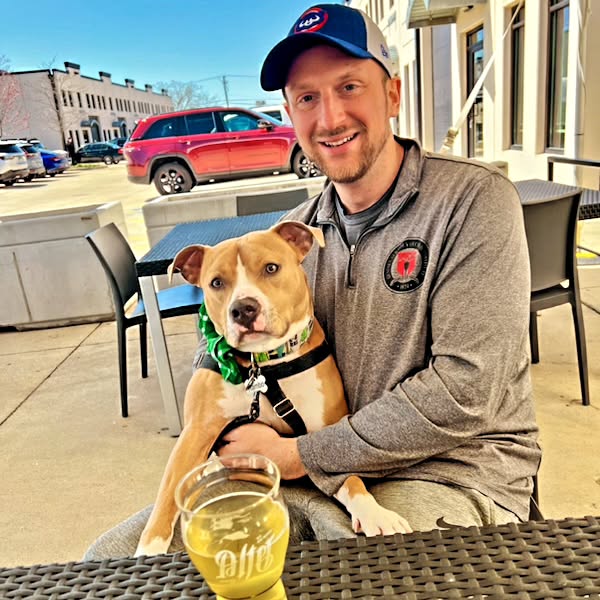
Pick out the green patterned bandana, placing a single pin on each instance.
(219, 349)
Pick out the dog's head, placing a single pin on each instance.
(255, 290)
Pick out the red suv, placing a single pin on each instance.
(180, 149)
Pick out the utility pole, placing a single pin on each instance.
(225, 90)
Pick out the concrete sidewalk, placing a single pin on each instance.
(71, 467)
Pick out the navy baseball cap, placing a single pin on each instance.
(348, 29)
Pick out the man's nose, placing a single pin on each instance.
(333, 112)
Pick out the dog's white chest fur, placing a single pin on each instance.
(304, 390)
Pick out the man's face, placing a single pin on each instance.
(340, 107)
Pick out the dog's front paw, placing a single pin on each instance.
(155, 546)
(371, 518)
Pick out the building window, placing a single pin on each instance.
(474, 70)
(78, 138)
(110, 103)
(516, 101)
(79, 100)
(93, 101)
(558, 42)
(71, 103)
(87, 99)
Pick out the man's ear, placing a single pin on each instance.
(393, 89)
(300, 236)
(188, 262)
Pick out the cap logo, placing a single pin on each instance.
(384, 51)
(312, 20)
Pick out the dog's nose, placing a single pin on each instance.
(244, 311)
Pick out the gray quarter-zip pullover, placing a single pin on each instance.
(427, 315)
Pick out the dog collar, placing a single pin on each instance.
(224, 354)
(287, 348)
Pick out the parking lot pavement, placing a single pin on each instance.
(82, 186)
(99, 184)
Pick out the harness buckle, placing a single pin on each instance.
(285, 410)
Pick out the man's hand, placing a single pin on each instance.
(257, 438)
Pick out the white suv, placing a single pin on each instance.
(277, 111)
(13, 163)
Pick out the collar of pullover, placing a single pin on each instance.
(406, 185)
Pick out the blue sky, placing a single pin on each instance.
(152, 40)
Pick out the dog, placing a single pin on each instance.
(256, 295)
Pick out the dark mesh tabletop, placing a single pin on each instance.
(539, 189)
(211, 232)
(545, 559)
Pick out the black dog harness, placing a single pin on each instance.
(266, 380)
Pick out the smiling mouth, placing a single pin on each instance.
(341, 142)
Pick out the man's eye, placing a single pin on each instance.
(216, 283)
(306, 99)
(271, 268)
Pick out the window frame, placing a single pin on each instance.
(517, 74)
(553, 66)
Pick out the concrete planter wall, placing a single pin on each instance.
(163, 213)
(49, 275)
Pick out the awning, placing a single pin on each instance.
(426, 13)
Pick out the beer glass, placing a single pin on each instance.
(235, 525)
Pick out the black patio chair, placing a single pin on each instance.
(118, 261)
(551, 226)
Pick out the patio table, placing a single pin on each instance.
(156, 262)
(538, 559)
(539, 189)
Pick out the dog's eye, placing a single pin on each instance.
(216, 283)
(271, 268)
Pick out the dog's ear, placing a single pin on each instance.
(299, 235)
(188, 262)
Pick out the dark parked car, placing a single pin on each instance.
(13, 163)
(105, 152)
(120, 141)
(55, 161)
(178, 150)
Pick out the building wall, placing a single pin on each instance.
(62, 104)
(444, 84)
(530, 161)
(38, 109)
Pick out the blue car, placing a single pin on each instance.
(55, 161)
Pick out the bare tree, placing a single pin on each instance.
(13, 116)
(187, 94)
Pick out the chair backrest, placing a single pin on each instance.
(551, 226)
(118, 262)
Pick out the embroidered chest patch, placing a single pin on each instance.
(405, 267)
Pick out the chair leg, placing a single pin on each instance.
(533, 338)
(581, 350)
(535, 514)
(144, 349)
(122, 340)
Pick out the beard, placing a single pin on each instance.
(351, 171)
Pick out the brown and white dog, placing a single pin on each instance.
(257, 296)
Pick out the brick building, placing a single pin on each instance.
(55, 104)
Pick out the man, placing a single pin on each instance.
(423, 291)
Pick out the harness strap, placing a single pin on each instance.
(282, 405)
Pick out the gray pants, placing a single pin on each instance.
(316, 516)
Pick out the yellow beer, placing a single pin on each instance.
(238, 543)
(235, 526)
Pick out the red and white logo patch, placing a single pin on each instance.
(312, 20)
(405, 268)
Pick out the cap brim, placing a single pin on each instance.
(274, 72)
